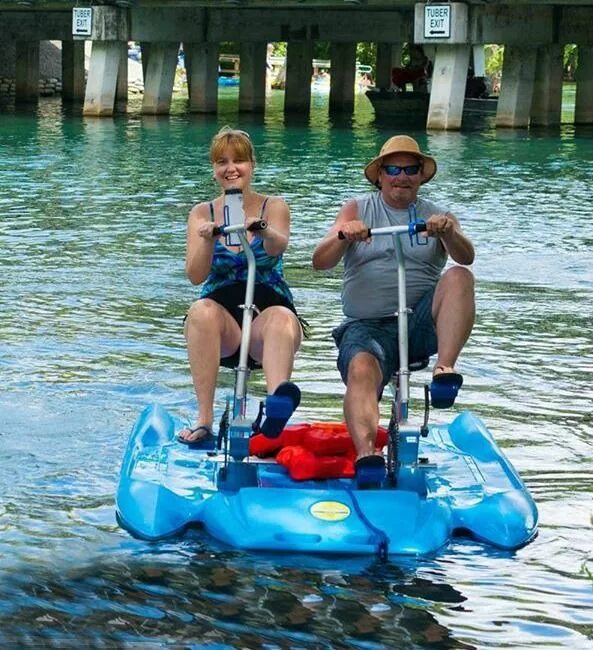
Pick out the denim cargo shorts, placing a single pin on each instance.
(378, 336)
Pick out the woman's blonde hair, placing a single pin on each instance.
(238, 141)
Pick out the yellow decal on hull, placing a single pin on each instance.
(329, 510)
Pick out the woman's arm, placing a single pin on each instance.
(199, 244)
(277, 233)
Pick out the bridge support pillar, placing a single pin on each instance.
(252, 85)
(518, 75)
(343, 76)
(447, 93)
(73, 80)
(389, 56)
(101, 86)
(299, 66)
(201, 64)
(160, 75)
(583, 106)
(121, 90)
(479, 60)
(546, 103)
(27, 72)
(110, 36)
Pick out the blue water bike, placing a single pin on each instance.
(443, 480)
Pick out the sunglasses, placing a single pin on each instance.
(227, 131)
(396, 170)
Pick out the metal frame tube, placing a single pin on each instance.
(402, 332)
(242, 372)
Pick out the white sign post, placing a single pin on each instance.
(82, 21)
(437, 21)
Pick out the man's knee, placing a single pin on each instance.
(458, 276)
(364, 367)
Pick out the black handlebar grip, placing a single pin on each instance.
(421, 227)
(258, 225)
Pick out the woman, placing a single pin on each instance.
(213, 323)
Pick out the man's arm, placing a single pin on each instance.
(330, 250)
(446, 227)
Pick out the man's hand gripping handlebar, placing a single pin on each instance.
(411, 229)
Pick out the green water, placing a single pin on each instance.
(92, 231)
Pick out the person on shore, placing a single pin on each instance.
(442, 304)
(213, 322)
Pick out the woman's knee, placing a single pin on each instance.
(281, 321)
(204, 314)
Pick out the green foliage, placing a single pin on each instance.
(570, 61)
(278, 49)
(494, 58)
(366, 53)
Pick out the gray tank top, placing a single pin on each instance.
(370, 269)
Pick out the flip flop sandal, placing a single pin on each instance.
(370, 472)
(444, 389)
(207, 441)
(279, 408)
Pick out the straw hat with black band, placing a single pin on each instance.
(401, 144)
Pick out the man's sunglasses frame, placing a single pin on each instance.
(396, 170)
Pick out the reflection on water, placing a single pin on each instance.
(92, 232)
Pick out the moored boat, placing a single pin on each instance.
(414, 105)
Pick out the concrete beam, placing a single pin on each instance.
(512, 25)
(299, 66)
(27, 72)
(479, 60)
(99, 99)
(169, 24)
(447, 93)
(121, 90)
(307, 24)
(73, 81)
(252, 88)
(343, 76)
(35, 25)
(583, 106)
(546, 104)
(201, 64)
(389, 56)
(516, 93)
(160, 76)
(575, 25)
(110, 24)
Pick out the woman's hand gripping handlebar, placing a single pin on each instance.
(361, 234)
(240, 228)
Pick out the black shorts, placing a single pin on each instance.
(232, 296)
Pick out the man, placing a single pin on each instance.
(442, 303)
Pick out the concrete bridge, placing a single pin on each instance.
(534, 35)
